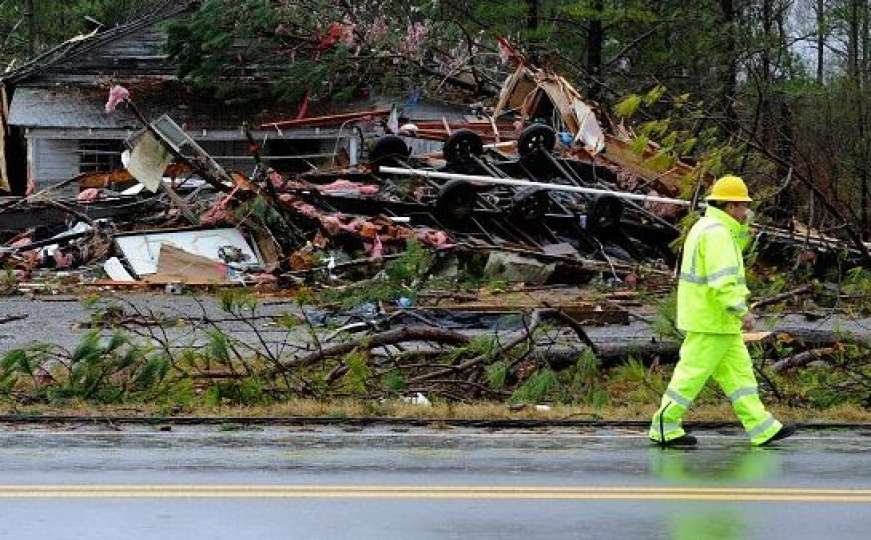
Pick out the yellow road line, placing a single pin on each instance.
(578, 493)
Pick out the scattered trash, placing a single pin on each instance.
(418, 399)
(116, 271)
(190, 252)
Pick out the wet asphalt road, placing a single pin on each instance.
(419, 483)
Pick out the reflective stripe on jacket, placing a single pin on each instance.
(712, 289)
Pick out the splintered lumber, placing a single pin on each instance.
(755, 337)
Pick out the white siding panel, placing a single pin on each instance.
(54, 160)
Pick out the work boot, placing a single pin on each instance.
(681, 442)
(784, 432)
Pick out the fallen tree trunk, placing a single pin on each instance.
(520, 337)
(802, 359)
(800, 291)
(390, 337)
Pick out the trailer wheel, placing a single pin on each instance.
(456, 201)
(530, 204)
(536, 137)
(605, 213)
(462, 145)
(387, 149)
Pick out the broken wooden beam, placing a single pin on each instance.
(328, 120)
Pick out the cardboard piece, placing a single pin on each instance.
(178, 265)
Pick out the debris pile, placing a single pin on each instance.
(537, 189)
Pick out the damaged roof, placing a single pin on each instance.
(134, 49)
(78, 107)
(64, 107)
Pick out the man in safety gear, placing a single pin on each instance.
(712, 311)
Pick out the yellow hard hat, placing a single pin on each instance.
(729, 188)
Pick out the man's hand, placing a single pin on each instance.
(747, 322)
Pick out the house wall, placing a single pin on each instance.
(51, 161)
(54, 155)
(4, 129)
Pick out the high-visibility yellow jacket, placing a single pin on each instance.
(712, 289)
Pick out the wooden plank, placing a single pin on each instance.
(753, 337)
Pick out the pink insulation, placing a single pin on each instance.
(117, 94)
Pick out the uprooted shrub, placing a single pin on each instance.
(285, 356)
(101, 370)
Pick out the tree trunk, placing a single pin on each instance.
(730, 72)
(595, 39)
(30, 15)
(766, 109)
(855, 25)
(532, 21)
(821, 40)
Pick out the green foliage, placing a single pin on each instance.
(583, 383)
(624, 13)
(661, 161)
(218, 347)
(395, 380)
(654, 129)
(403, 276)
(665, 318)
(640, 144)
(100, 369)
(411, 265)
(635, 383)
(628, 106)
(536, 388)
(359, 373)
(245, 391)
(654, 95)
(858, 285)
(232, 300)
(686, 223)
(497, 375)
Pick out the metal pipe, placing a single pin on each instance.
(516, 182)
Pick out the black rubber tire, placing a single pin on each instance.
(605, 213)
(387, 149)
(462, 145)
(536, 137)
(456, 201)
(530, 204)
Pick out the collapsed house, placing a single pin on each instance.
(53, 125)
(543, 184)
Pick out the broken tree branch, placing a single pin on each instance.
(802, 359)
(520, 337)
(799, 291)
(390, 337)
